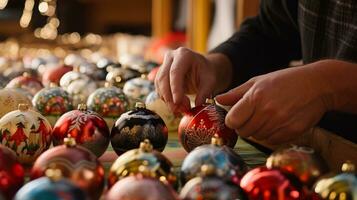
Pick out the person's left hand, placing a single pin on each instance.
(279, 106)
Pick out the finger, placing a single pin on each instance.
(203, 93)
(162, 82)
(240, 113)
(231, 97)
(252, 126)
(185, 105)
(180, 66)
(281, 136)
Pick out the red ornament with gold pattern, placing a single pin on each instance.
(303, 162)
(11, 173)
(54, 74)
(87, 127)
(272, 184)
(201, 123)
(75, 163)
(26, 132)
(129, 164)
(27, 83)
(141, 187)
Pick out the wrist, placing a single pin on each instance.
(222, 68)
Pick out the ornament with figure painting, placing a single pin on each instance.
(87, 127)
(26, 132)
(201, 123)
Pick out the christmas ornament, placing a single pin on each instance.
(52, 102)
(152, 74)
(11, 172)
(210, 187)
(198, 126)
(129, 164)
(87, 127)
(302, 162)
(75, 163)
(10, 99)
(78, 85)
(134, 62)
(339, 187)
(53, 187)
(102, 65)
(264, 183)
(26, 82)
(154, 103)
(109, 102)
(74, 59)
(141, 187)
(137, 125)
(138, 88)
(228, 165)
(54, 74)
(26, 132)
(119, 76)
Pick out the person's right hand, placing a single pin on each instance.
(185, 72)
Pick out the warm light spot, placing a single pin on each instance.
(295, 194)
(332, 195)
(43, 7)
(3, 4)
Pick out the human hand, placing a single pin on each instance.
(279, 106)
(187, 72)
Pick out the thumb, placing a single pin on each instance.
(233, 96)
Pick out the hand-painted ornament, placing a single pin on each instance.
(199, 125)
(119, 76)
(26, 132)
(109, 102)
(154, 103)
(26, 82)
(137, 125)
(302, 162)
(210, 187)
(53, 187)
(339, 187)
(271, 184)
(141, 187)
(137, 89)
(228, 165)
(129, 164)
(10, 99)
(102, 65)
(52, 102)
(11, 172)
(54, 74)
(75, 163)
(86, 127)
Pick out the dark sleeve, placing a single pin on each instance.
(264, 43)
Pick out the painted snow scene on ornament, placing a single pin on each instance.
(27, 133)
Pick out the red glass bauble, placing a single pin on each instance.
(26, 132)
(54, 74)
(11, 173)
(271, 184)
(303, 162)
(199, 125)
(87, 127)
(27, 83)
(75, 163)
(141, 188)
(137, 125)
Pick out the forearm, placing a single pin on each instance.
(339, 82)
(223, 70)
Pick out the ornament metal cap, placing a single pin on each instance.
(348, 167)
(146, 146)
(207, 170)
(23, 106)
(216, 140)
(54, 174)
(82, 107)
(140, 105)
(210, 101)
(144, 76)
(26, 74)
(53, 85)
(69, 141)
(118, 79)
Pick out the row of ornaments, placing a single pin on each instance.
(211, 171)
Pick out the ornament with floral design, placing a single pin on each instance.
(52, 102)
(87, 127)
(26, 132)
(201, 123)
